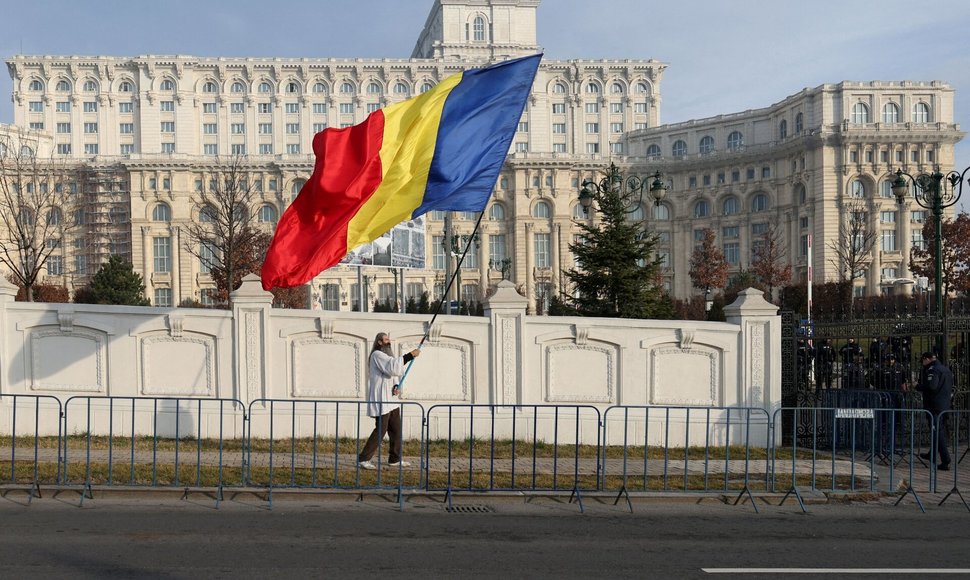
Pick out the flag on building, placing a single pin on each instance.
(442, 150)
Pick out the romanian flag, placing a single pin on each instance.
(442, 150)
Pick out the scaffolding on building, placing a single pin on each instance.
(102, 219)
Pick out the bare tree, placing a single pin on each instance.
(224, 232)
(770, 261)
(35, 195)
(852, 250)
(708, 267)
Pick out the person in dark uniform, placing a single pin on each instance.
(854, 374)
(825, 363)
(878, 349)
(936, 384)
(805, 354)
(849, 351)
(892, 376)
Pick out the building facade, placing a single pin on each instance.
(166, 124)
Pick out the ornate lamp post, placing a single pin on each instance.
(933, 191)
(504, 266)
(456, 244)
(613, 184)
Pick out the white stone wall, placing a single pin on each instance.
(256, 353)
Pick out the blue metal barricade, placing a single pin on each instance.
(316, 444)
(504, 448)
(955, 428)
(33, 423)
(154, 441)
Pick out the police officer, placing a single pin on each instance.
(892, 375)
(825, 362)
(936, 384)
(849, 351)
(854, 373)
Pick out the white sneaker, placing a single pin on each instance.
(366, 465)
(400, 464)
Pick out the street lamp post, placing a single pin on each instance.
(613, 184)
(504, 266)
(456, 244)
(708, 303)
(933, 191)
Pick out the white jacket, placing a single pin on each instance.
(383, 369)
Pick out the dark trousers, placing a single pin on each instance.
(389, 423)
(943, 455)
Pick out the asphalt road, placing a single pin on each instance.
(328, 537)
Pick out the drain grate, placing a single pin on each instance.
(469, 509)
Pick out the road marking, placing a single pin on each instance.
(836, 570)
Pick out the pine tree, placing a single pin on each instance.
(115, 283)
(618, 274)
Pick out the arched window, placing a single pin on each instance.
(661, 212)
(207, 214)
(886, 189)
(347, 88)
(55, 217)
(79, 216)
(265, 87)
(90, 86)
(783, 129)
(162, 213)
(735, 141)
(642, 88)
(653, 151)
(759, 202)
(503, 183)
(319, 88)
(592, 88)
(127, 87)
(730, 206)
(857, 188)
(799, 123)
(541, 210)
(921, 113)
(559, 88)
(478, 29)
(707, 145)
(636, 214)
(374, 89)
(800, 194)
(209, 87)
(890, 113)
(237, 87)
(702, 208)
(860, 114)
(578, 213)
(292, 87)
(401, 89)
(167, 85)
(496, 212)
(679, 149)
(426, 87)
(267, 214)
(36, 85)
(296, 187)
(616, 89)
(63, 86)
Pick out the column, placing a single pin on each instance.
(506, 311)
(251, 307)
(529, 277)
(905, 229)
(483, 257)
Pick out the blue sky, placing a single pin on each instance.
(723, 57)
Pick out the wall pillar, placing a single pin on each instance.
(250, 325)
(505, 310)
(8, 293)
(759, 371)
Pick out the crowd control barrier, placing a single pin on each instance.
(686, 449)
(34, 458)
(956, 428)
(851, 449)
(187, 442)
(513, 448)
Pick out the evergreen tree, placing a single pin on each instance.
(115, 283)
(618, 274)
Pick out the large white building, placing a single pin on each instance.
(159, 125)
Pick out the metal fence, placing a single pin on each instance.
(33, 461)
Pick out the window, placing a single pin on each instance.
(496, 212)
(63, 86)
(732, 253)
(592, 108)
(90, 106)
(168, 127)
(702, 208)
(541, 210)
(857, 188)
(438, 253)
(319, 108)
(616, 127)
(128, 87)
(720, 177)
(478, 29)
(317, 127)
(889, 240)
(168, 147)
(860, 114)
(238, 148)
(36, 125)
(293, 148)
(917, 240)
(209, 87)
(559, 108)
(759, 202)
(90, 148)
(735, 176)
(918, 216)
(292, 107)
(731, 206)
(592, 127)
(167, 85)
(592, 148)
(731, 232)
(55, 265)
(653, 151)
(541, 247)
(679, 149)
(803, 223)
(887, 217)
(268, 214)
(90, 128)
(210, 149)
(783, 129)
(401, 89)
(372, 107)
(765, 172)
(921, 113)
(707, 145)
(167, 106)
(692, 181)
(237, 108)
(127, 148)
(616, 89)
(63, 127)
(558, 147)
(496, 249)
(264, 108)
(265, 87)
(293, 128)
(592, 88)
(36, 106)
(36, 85)
(523, 127)
(426, 87)
(471, 257)
(735, 141)
(63, 106)
(890, 113)
(616, 108)
(559, 128)
(163, 297)
(209, 128)
(661, 212)
(162, 247)
(347, 88)
(347, 108)
(559, 88)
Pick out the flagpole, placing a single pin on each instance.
(444, 295)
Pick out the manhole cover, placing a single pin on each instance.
(469, 509)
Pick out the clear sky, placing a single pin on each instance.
(723, 56)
